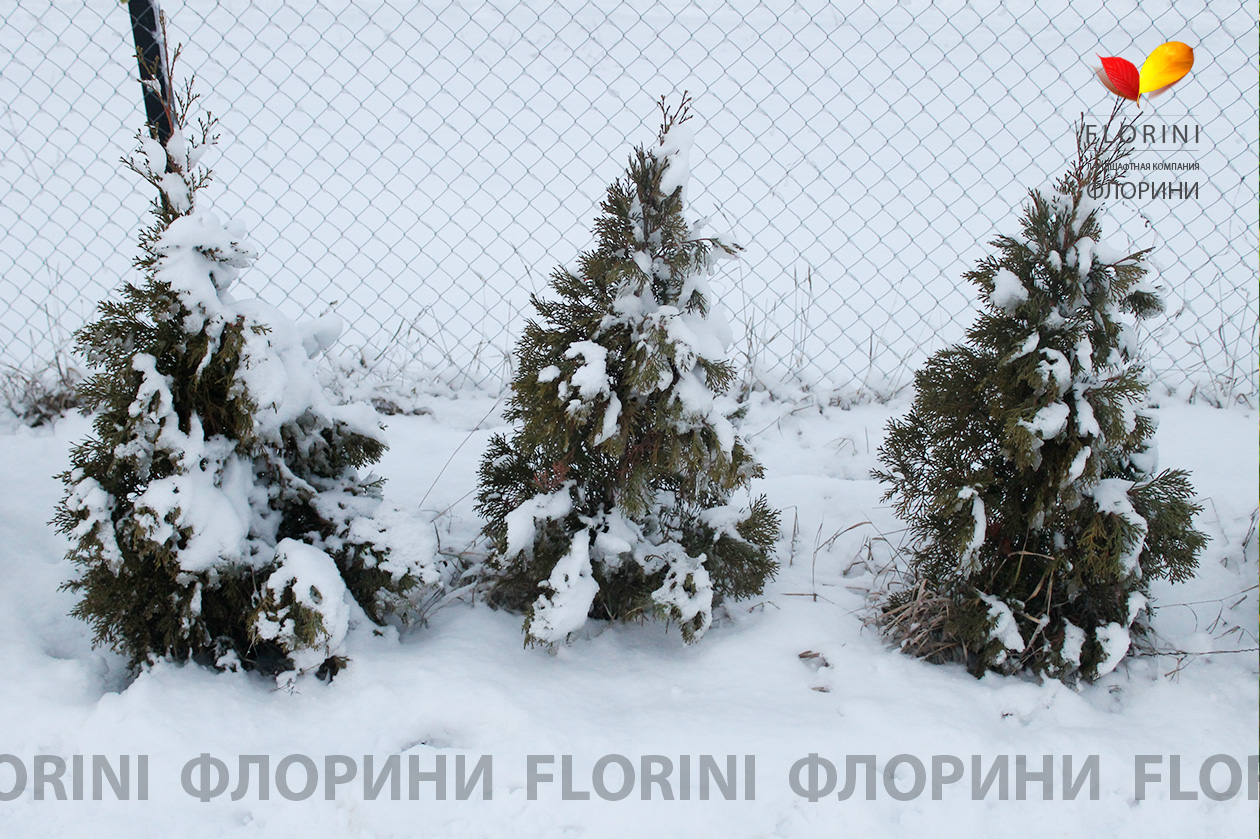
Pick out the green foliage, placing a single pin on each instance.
(1026, 467)
(611, 497)
(212, 451)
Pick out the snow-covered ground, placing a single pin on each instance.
(464, 684)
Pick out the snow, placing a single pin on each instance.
(196, 248)
(1073, 643)
(573, 589)
(317, 585)
(1112, 496)
(154, 160)
(644, 262)
(1030, 344)
(1146, 460)
(177, 148)
(724, 519)
(522, 521)
(207, 500)
(697, 336)
(1082, 255)
(281, 376)
(1049, 422)
(1008, 291)
(676, 148)
(462, 682)
(591, 376)
(701, 407)
(411, 538)
(1084, 353)
(211, 500)
(616, 536)
(1056, 369)
(1005, 628)
(89, 500)
(1115, 642)
(608, 427)
(175, 191)
(978, 516)
(1137, 602)
(687, 587)
(1077, 467)
(1086, 421)
(318, 336)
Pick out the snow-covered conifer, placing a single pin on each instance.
(612, 499)
(217, 512)
(1026, 467)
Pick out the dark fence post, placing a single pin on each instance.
(155, 77)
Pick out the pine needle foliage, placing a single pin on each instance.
(1026, 467)
(217, 512)
(611, 499)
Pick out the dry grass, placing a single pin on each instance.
(919, 623)
(900, 605)
(39, 397)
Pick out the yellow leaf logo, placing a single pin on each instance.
(1166, 66)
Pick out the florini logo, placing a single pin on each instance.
(1161, 143)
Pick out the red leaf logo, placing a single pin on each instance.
(1120, 76)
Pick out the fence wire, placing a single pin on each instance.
(420, 169)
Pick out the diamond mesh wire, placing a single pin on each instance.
(420, 169)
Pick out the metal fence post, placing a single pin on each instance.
(155, 77)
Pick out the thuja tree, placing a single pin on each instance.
(612, 499)
(1026, 468)
(217, 512)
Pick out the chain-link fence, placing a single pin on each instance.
(421, 168)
